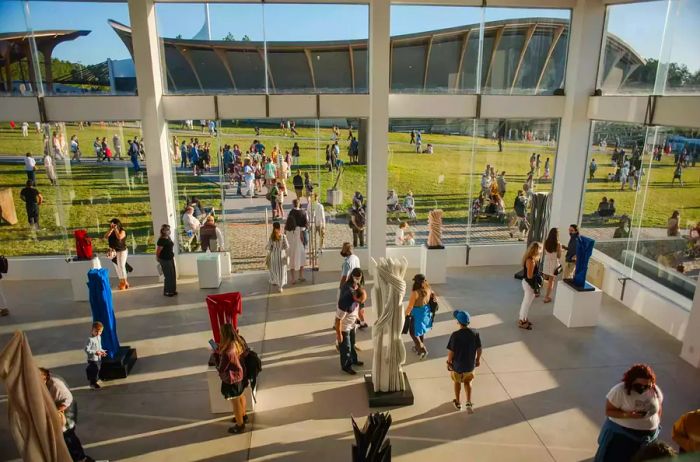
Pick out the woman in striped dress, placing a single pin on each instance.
(277, 248)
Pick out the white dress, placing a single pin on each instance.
(278, 261)
(297, 254)
(550, 263)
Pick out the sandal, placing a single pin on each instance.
(547, 300)
(527, 325)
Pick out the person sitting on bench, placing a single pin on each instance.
(210, 236)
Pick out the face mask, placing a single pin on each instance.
(639, 388)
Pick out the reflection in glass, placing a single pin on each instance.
(92, 181)
(210, 175)
(70, 53)
(638, 177)
(472, 170)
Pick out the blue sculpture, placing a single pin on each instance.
(584, 250)
(103, 309)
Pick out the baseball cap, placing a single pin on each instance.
(462, 317)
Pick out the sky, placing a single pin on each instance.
(640, 25)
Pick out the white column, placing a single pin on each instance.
(377, 155)
(142, 14)
(691, 339)
(585, 39)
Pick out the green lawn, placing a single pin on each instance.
(90, 195)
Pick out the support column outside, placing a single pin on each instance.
(691, 339)
(363, 138)
(586, 35)
(379, 71)
(142, 14)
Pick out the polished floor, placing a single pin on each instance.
(539, 395)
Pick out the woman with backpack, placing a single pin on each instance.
(419, 310)
(232, 353)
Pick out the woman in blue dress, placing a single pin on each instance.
(421, 315)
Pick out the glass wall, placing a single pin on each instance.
(650, 47)
(473, 170)
(436, 49)
(283, 152)
(85, 178)
(74, 47)
(524, 50)
(641, 201)
(273, 48)
(429, 168)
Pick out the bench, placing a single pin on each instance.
(594, 218)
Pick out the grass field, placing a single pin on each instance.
(90, 195)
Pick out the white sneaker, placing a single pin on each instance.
(470, 408)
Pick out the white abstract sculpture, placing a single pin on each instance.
(389, 351)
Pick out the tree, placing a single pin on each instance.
(229, 38)
(178, 36)
(245, 38)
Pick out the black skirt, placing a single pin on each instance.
(233, 390)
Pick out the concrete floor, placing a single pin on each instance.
(539, 395)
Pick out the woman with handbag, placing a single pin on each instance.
(234, 380)
(420, 312)
(276, 259)
(532, 282)
(118, 252)
(551, 267)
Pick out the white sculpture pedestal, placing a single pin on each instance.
(334, 196)
(209, 270)
(78, 270)
(217, 403)
(577, 309)
(225, 258)
(433, 265)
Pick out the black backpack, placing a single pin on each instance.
(253, 367)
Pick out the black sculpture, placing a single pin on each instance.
(370, 445)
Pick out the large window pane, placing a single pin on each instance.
(434, 49)
(15, 39)
(245, 222)
(429, 168)
(512, 158)
(307, 53)
(526, 51)
(220, 48)
(681, 56)
(208, 54)
(85, 194)
(632, 47)
(79, 47)
(640, 229)
(470, 169)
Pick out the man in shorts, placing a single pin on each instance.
(464, 355)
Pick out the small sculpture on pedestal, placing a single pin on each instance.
(388, 384)
(584, 250)
(435, 229)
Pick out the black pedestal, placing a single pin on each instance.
(586, 288)
(390, 398)
(120, 366)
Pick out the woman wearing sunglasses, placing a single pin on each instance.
(633, 409)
